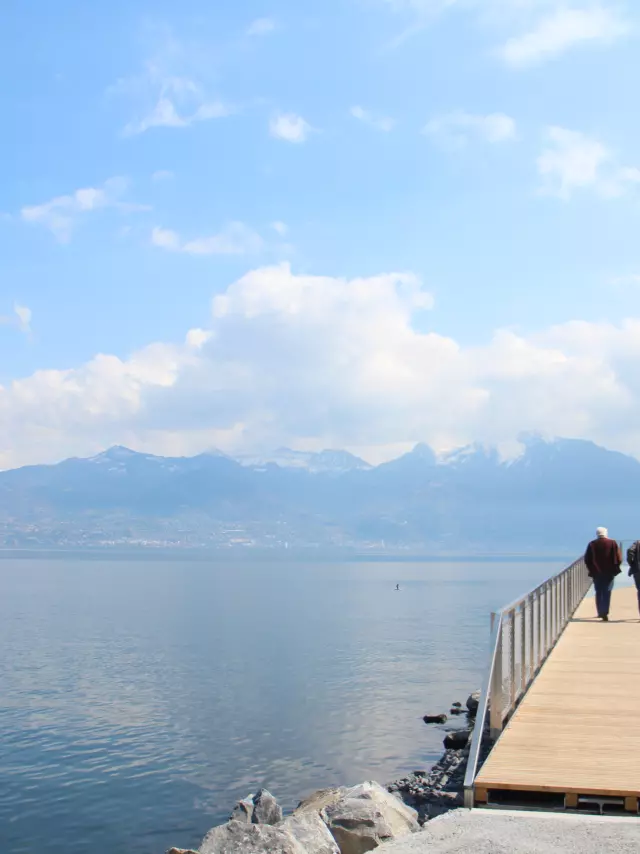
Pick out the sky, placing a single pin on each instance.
(354, 224)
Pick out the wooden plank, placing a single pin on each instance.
(575, 731)
(481, 795)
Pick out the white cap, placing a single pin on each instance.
(602, 532)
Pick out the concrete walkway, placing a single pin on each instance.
(502, 832)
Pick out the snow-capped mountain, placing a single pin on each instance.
(553, 496)
(336, 462)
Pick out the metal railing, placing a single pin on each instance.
(522, 636)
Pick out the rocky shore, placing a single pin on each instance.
(349, 820)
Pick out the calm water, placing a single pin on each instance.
(139, 700)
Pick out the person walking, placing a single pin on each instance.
(633, 559)
(603, 559)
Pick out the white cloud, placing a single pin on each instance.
(162, 175)
(457, 128)
(165, 94)
(383, 123)
(572, 161)
(261, 27)
(543, 29)
(327, 362)
(20, 319)
(60, 214)
(280, 228)
(166, 239)
(631, 279)
(235, 239)
(563, 29)
(289, 127)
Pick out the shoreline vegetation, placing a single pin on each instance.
(351, 820)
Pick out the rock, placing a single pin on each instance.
(435, 719)
(473, 701)
(456, 711)
(181, 851)
(261, 808)
(457, 705)
(366, 816)
(311, 832)
(266, 809)
(243, 811)
(457, 739)
(321, 799)
(238, 837)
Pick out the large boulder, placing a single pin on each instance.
(238, 837)
(261, 808)
(311, 832)
(366, 816)
(321, 799)
(457, 739)
(473, 701)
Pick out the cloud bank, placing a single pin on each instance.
(316, 361)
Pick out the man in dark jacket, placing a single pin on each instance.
(603, 559)
(633, 559)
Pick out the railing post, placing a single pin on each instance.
(547, 619)
(512, 655)
(539, 632)
(523, 647)
(497, 688)
(532, 668)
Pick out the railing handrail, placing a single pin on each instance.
(517, 602)
(560, 597)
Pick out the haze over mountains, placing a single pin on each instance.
(548, 500)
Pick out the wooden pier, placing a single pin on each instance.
(576, 731)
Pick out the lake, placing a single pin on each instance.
(139, 699)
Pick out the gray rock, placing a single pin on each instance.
(321, 799)
(473, 701)
(261, 808)
(366, 816)
(311, 832)
(181, 851)
(266, 809)
(238, 837)
(435, 719)
(243, 811)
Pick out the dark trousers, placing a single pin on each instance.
(636, 578)
(603, 586)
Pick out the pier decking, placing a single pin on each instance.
(576, 731)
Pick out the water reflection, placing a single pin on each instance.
(139, 699)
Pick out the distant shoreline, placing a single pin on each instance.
(300, 556)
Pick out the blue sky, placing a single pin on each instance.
(482, 156)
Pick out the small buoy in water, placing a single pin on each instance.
(397, 587)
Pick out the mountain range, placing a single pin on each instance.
(551, 498)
